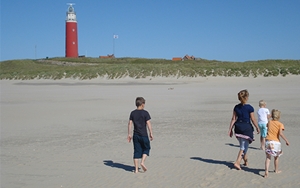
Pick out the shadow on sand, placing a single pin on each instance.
(118, 165)
(229, 144)
(229, 165)
(212, 161)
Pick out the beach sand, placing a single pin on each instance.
(72, 133)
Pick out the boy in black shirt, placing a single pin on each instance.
(141, 144)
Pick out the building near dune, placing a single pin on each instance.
(107, 56)
(71, 33)
(186, 57)
(176, 59)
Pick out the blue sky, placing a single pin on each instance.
(226, 30)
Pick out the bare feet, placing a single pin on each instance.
(136, 171)
(237, 166)
(143, 167)
(277, 172)
(245, 162)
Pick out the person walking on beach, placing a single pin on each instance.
(273, 145)
(141, 143)
(242, 115)
(263, 115)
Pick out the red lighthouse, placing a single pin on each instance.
(71, 33)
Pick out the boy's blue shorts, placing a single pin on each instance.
(263, 129)
(141, 145)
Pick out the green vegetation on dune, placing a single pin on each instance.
(88, 68)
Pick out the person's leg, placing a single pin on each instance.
(267, 163)
(137, 154)
(261, 128)
(238, 160)
(146, 150)
(245, 156)
(264, 131)
(136, 165)
(263, 143)
(264, 135)
(276, 161)
(237, 163)
(143, 162)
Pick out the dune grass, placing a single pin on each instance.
(89, 68)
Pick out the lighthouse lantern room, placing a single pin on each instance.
(71, 33)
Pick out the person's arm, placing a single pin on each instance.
(253, 119)
(129, 130)
(150, 130)
(233, 119)
(268, 115)
(283, 137)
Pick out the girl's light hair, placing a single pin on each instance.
(276, 114)
(262, 103)
(243, 96)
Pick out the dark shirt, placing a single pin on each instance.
(139, 119)
(243, 124)
(243, 112)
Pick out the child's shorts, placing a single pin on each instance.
(141, 145)
(244, 144)
(263, 129)
(273, 148)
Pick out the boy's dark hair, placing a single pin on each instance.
(139, 101)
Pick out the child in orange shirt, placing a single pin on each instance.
(273, 145)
